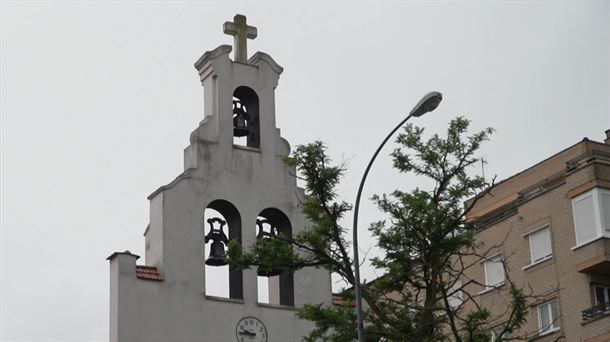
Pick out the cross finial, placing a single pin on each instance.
(240, 32)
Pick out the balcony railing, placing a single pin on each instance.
(599, 310)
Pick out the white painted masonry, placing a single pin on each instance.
(251, 179)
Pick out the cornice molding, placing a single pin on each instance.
(213, 54)
(259, 57)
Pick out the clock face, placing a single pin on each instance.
(251, 329)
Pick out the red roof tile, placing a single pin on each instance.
(338, 300)
(148, 273)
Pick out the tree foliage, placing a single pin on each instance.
(426, 245)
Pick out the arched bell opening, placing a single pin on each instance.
(275, 286)
(246, 129)
(222, 223)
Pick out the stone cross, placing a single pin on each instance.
(240, 32)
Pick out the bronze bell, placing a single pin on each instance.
(219, 240)
(262, 234)
(241, 120)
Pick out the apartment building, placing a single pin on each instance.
(547, 229)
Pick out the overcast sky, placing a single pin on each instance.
(98, 100)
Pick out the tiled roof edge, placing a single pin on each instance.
(148, 273)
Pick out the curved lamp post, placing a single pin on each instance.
(427, 104)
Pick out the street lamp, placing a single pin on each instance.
(427, 104)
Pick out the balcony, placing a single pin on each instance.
(600, 310)
(593, 257)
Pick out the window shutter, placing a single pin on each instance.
(584, 219)
(605, 209)
(540, 244)
(494, 271)
(545, 319)
(457, 296)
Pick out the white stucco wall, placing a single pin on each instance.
(177, 309)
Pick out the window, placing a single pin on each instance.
(497, 335)
(494, 271)
(602, 299)
(456, 296)
(602, 295)
(540, 244)
(548, 317)
(591, 212)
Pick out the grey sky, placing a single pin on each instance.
(98, 100)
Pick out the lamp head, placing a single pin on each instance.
(427, 104)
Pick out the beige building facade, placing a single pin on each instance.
(547, 229)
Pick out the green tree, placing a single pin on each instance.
(426, 243)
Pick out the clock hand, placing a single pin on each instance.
(247, 332)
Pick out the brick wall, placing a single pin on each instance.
(581, 166)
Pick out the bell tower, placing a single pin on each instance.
(235, 186)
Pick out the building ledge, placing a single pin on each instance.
(224, 299)
(276, 306)
(247, 148)
(527, 267)
(545, 334)
(584, 244)
(492, 288)
(115, 254)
